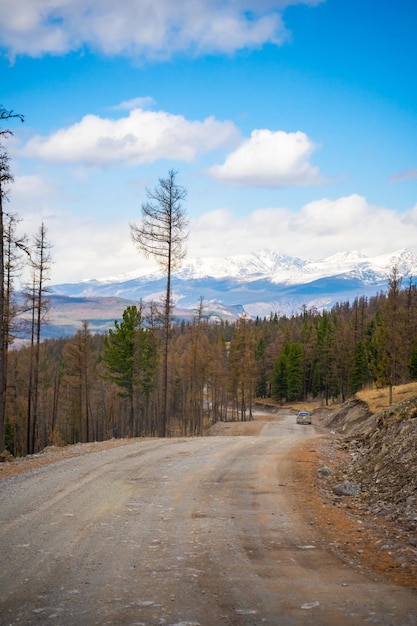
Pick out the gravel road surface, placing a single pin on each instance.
(206, 531)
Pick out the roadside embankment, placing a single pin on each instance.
(375, 456)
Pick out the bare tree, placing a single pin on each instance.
(39, 306)
(14, 248)
(5, 178)
(162, 234)
(77, 356)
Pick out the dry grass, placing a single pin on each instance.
(378, 399)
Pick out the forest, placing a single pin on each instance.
(92, 387)
(154, 375)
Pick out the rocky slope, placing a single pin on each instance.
(383, 453)
(371, 468)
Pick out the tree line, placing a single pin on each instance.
(95, 387)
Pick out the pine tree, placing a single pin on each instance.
(360, 369)
(119, 357)
(279, 382)
(295, 372)
(412, 365)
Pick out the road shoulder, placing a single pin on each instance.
(374, 546)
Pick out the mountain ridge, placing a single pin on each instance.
(267, 264)
(257, 284)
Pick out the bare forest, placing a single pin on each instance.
(92, 387)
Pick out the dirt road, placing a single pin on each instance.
(207, 531)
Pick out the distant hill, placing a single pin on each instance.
(67, 313)
(256, 284)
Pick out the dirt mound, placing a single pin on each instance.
(353, 416)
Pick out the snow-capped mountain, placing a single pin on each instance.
(268, 265)
(284, 269)
(258, 284)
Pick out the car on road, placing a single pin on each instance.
(303, 417)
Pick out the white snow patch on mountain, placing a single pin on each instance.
(281, 268)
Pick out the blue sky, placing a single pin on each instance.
(292, 124)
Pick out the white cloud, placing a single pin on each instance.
(330, 218)
(29, 188)
(83, 247)
(30, 197)
(270, 159)
(142, 137)
(317, 230)
(142, 28)
(136, 103)
(109, 253)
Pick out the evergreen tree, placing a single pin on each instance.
(360, 372)
(119, 357)
(261, 384)
(279, 382)
(412, 365)
(294, 372)
(323, 375)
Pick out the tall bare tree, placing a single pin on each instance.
(16, 251)
(77, 356)
(5, 178)
(161, 234)
(243, 369)
(39, 306)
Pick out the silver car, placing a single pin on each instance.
(303, 417)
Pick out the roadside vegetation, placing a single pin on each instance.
(379, 399)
